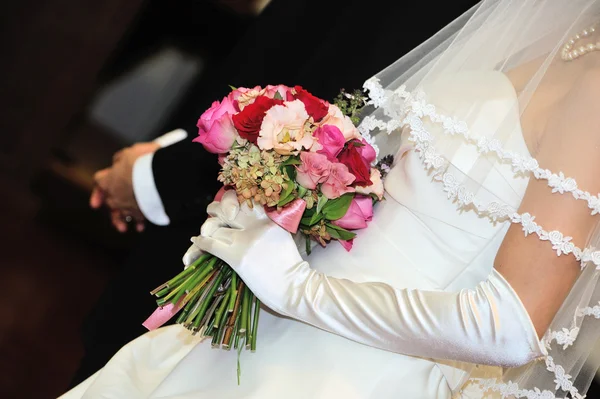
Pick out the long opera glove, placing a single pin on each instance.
(485, 325)
(221, 214)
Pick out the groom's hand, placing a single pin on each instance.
(114, 187)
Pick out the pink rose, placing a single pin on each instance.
(214, 113)
(336, 118)
(375, 188)
(240, 91)
(215, 129)
(313, 170)
(284, 91)
(330, 141)
(357, 216)
(283, 129)
(242, 97)
(338, 182)
(367, 152)
(220, 137)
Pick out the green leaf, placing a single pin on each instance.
(232, 87)
(285, 201)
(339, 233)
(310, 218)
(375, 198)
(290, 170)
(315, 218)
(322, 201)
(301, 191)
(309, 213)
(308, 247)
(337, 208)
(277, 96)
(333, 233)
(289, 189)
(291, 161)
(358, 144)
(286, 195)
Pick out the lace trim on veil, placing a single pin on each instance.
(406, 109)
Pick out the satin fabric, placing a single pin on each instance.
(441, 250)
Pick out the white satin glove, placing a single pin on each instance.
(221, 214)
(484, 325)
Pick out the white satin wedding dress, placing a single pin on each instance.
(441, 250)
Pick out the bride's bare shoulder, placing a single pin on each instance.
(572, 122)
(565, 102)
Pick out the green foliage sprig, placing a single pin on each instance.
(351, 104)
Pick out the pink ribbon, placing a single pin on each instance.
(220, 193)
(289, 217)
(162, 314)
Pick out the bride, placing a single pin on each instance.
(476, 278)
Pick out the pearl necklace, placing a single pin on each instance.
(570, 54)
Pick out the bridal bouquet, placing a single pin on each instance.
(301, 158)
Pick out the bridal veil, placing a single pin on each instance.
(529, 38)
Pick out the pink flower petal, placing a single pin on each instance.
(347, 244)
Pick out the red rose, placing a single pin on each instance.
(315, 107)
(357, 165)
(249, 120)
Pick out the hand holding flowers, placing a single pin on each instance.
(302, 160)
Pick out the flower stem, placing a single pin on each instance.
(244, 315)
(209, 313)
(210, 292)
(192, 284)
(166, 287)
(173, 293)
(239, 366)
(200, 300)
(221, 310)
(198, 264)
(198, 286)
(254, 324)
(231, 321)
(221, 331)
(233, 296)
(237, 336)
(191, 300)
(249, 318)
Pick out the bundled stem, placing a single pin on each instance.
(215, 303)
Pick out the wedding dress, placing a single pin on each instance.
(299, 361)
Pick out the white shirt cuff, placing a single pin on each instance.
(170, 138)
(144, 187)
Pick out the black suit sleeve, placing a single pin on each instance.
(186, 179)
(185, 174)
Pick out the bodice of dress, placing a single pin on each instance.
(417, 239)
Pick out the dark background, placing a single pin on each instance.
(58, 58)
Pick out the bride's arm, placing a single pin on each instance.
(486, 324)
(568, 143)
